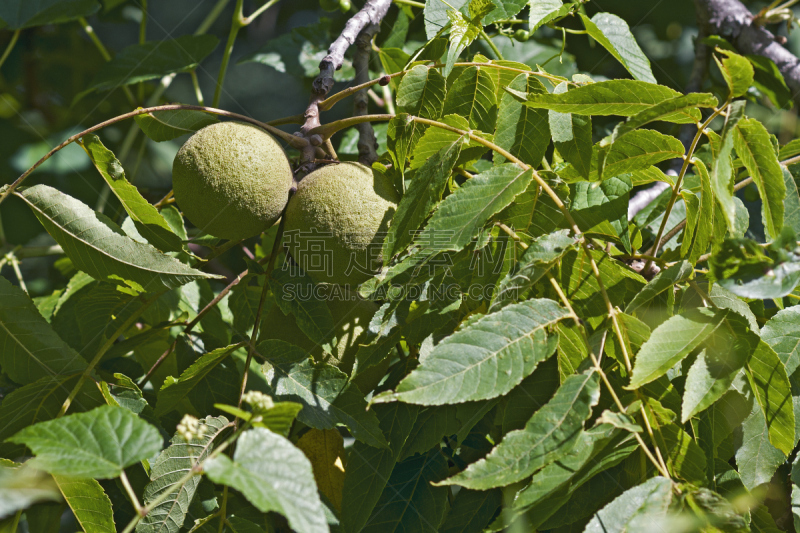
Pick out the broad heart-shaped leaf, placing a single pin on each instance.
(19, 14)
(671, 342)
(522, 130)
(534, 263)
(635, 509)
(163, 126)
(368, 469)
(98, 443)
(615, 97)
(614, 35)
(425, 189)
(549, 435)
(754, 148)
(485, 359)
(30, 347)
(410, 501)
(663, 281)
(167, 470)
(312, 315)
(141, 62)
(770, 384)
(757, 458)
(737, 71)
(543, 11)
(88, 502)
(175, 390)
(148, 221)
(98, 247)
(572, 136)
(421, 92)
(274, 476)
(436, 14)
(327, 397)
(40, 401)
(782, 333)
(602, 208)
(639, 150)
(721, 171)
(472, 96)
(465, 212)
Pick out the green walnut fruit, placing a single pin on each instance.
(522, 35)
(345, 5)
(231, 180)
(329, 5)
(337, 220)
(351, 317)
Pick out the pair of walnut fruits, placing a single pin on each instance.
(233, 181)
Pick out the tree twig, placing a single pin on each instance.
(367, 144)
(372, 13)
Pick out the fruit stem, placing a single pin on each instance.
(237, 23)
(10, 46)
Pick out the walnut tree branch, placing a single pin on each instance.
(367, 144)
(372, 13)
(732, 20)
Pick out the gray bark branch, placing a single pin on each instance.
(367, 144)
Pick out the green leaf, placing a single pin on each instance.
(313, 316)
(472, 96)
(30, 347)
(166, 472)
(602, 208)
(549, 435)
(721, 171)
(583, 291)
(98, 443)
(681, 109)
(635, 509)
(543, 11)
(22, 486)
(664, 280)
(782, 333)
(19, 14)
(471, 511)
(40, 401)
(435, 139)
(421, 92)
(504, 9)
(769, 80)
(522, 130)
(89, 503)
(671, 342)
(98, 247)
(465, 212)
(278, 418)
(754, 148)
(173, 392)
(463, 31)
(640, 150)
(614, 35)
(274, 476)
(770, 384)
(486, 358)
(746, 269)
(756, 458)
(711, 375)
(705, 223)
(148, 221)
(614, 97)
(791, 203)
(540, 256)
(423, 192)
(368, 469)
(436, 14)
(684, 457)
(154, 59)
(327, 397)
(737, 71)
(572, 136)
(163, 126)
(410, 502)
